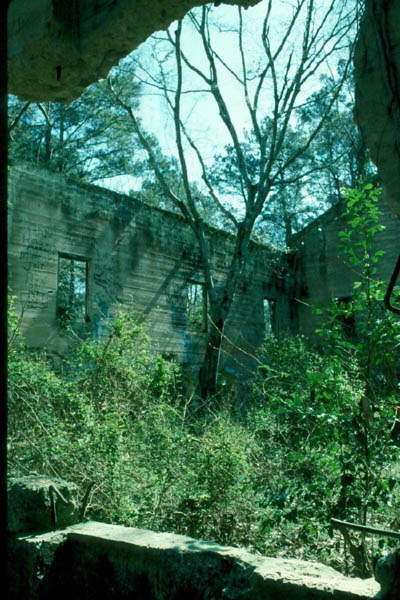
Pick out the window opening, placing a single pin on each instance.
(346, 318)
(72, 288)
(196, 307)
(269, 315)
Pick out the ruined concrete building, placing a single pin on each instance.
(123, 253)
(57, 48)
(78, 254)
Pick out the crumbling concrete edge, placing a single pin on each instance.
(171, 563)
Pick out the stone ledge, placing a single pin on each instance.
(288, 575)
(110, 561)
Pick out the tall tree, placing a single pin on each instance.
(286, 209)
(290, 61)
(339, 151)
(336, 158)
(87, 139)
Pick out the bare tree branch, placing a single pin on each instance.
(20, 114)
(45, 113)
(148, 147)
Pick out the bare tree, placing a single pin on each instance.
(291, 60)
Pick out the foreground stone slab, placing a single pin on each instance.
(96, 560)
(387, 573)
(29, 559)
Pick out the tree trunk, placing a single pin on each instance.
(47, 141)
(208, 373)
(219, 310)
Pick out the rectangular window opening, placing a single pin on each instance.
(72, 289)
(196, 307)
(346, 318)
(269, 316)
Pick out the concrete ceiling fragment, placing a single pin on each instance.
(57, 48)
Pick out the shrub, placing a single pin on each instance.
(269, 477)
(307, 416)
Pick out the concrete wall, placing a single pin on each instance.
(142, 258)
(138, 257)
(97, 560)
(322, 271)
(377, 91)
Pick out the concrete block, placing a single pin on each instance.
(29, 503)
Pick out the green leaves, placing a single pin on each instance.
(268, 476)
(373, 345)
(88, 140)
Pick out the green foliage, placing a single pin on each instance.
(373, 345)
(195, 307)
(309, 395)
(76, 424)
(312, 408)
(115, 416)
(376, 338)
(71, 290)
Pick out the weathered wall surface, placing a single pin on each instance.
(143, 258)
(138, 257)
(57, 48)
(322, 271)
(377, 77)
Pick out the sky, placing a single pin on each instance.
(199, 109)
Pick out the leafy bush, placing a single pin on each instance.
(311, 427)
(375, 347)
(268, 479)
(77, 424)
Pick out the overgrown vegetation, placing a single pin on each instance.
(269, 479)
(362, 330)
(314, 441)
